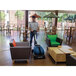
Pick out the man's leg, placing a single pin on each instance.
(35, 37)
(31, 37)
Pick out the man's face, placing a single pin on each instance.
(33, 19)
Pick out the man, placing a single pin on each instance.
(33, 26)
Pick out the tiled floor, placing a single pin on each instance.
(5, 57)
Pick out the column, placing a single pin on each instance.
(6, 18)
(26, 18)
(56, 19)
(26, 26)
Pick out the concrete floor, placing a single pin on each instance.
(5, 57)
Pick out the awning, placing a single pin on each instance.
(51, 15)
(70, 18)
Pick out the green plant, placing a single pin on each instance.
(62, 17)
(19, 14)
(2, 15)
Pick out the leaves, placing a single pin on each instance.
(19, 14)
(62, 16)
(2, 15)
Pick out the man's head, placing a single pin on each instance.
(33, 18)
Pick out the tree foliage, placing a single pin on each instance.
(62, 17)
(19, 14)
(2, 15)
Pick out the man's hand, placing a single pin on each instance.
(37, 30)
(31, 30)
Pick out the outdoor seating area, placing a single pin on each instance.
(55, 38)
